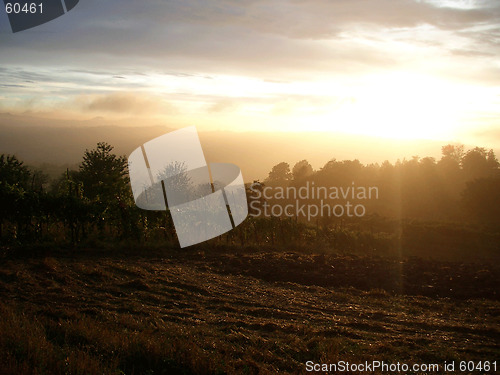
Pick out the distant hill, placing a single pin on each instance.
(38, 141)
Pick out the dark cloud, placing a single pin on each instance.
(4, 85)
(21, 74)
(258, 36)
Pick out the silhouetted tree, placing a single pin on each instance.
(302, 170)
(13, 171)
(453, 153)
(103, 174)
(475, 163)
(14, 180)
(280, 174)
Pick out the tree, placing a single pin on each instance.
(453, 153)
(13, 172)
(103, 174)
(479, 162)
(301, 170)
(492, 161)
(20, 196)
(280, 174)
(104, 177)
(14, 180)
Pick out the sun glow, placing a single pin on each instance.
(400, 106)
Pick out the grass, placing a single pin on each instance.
(239, 312)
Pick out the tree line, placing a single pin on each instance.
(95, 202)
(464, 185)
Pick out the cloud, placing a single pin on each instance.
(128, 57)
(471, 53)
(125, 103)
(315, 19)
(273, 40)
(224, 105)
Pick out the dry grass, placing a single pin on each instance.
(248, 313)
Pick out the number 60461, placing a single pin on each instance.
(17, 8)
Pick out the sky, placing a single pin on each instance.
(405, 69)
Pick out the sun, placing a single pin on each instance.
(402, 106)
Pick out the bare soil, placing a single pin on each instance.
(242, 312)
